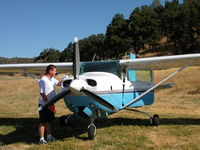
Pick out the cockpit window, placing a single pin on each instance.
(139, 75)
(101, 66)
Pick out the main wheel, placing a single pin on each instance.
(155, 121)
(91, 131)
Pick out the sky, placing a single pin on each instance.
(27, 27)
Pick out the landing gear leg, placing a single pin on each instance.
(154, 121)
(91, 130)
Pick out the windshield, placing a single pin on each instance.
(101, 66)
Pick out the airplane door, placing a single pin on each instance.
(141, 81)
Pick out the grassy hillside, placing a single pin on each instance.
(15, 60)
(178, 107)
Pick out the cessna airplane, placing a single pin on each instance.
(100, 88)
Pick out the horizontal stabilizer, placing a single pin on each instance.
(164, 86)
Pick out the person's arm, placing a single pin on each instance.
(59, 83)
(44, 97)
(56, 82)
(65, 77)
(42, 90)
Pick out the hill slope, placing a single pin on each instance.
(15, 60)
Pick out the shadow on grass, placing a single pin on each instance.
(26, 129)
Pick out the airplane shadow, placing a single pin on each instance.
(26, 129)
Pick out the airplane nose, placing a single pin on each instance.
(76, 85)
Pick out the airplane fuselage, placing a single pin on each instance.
(111, 88)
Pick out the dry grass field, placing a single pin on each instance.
(178, 107)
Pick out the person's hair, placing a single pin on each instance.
(49, 67)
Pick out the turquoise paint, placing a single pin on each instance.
(132, 73)
(115, 99)
(88, 112)
(148, 99)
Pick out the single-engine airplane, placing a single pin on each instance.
(100, 88)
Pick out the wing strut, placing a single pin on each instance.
(155, 86)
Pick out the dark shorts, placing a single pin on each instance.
(46, 116)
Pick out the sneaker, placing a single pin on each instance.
(42, 141)
(51, 138)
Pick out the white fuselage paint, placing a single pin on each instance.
(106, 83)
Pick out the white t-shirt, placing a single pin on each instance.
(46, 86)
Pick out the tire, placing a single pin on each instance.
(155, 120)
(91, 131)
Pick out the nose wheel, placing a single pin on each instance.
(91, 130)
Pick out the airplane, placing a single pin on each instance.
(101, 88)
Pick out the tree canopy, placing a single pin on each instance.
(144, 29)
(48, 55)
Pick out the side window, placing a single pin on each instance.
(139, 75)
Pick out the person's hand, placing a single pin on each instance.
(65, 77)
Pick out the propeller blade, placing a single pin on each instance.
(55, 98)
(98, 99)
(76, 61)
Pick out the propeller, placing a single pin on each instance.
(76, 60)
(57, 97)
(98, 99)
(78, 84)
(76, 72)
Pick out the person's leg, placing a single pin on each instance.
(48, 128)
(41, 130)
(48, 117)
(41, 133)
(42, 126)
(49, 125)
(50, 137)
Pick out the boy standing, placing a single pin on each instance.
(47, 91)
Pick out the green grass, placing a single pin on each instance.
(179, 128)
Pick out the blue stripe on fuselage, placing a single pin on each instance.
(118, 100)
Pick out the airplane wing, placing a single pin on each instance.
(162, 62)
(154, 63)
(35, 67)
